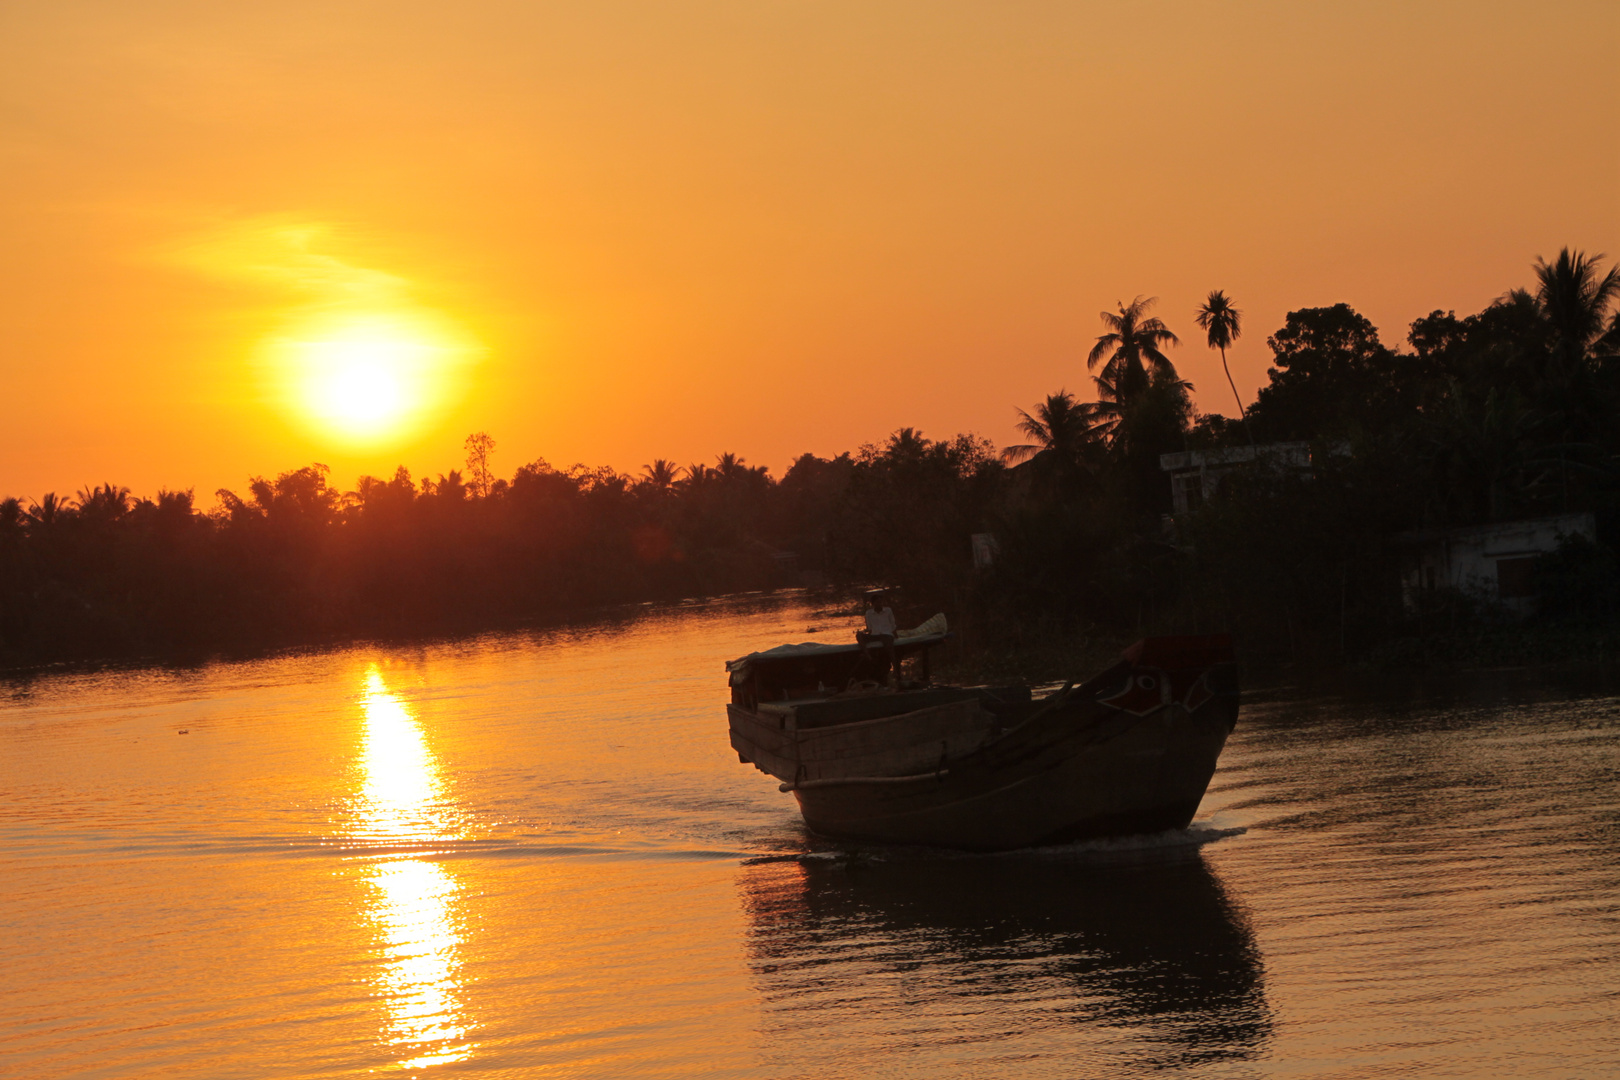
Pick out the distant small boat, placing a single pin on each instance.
(1130, 751)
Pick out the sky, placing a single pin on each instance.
(239, 238)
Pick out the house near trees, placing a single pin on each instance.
(1195, 475)
(1494, 563)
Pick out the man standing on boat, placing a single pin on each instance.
(880, 629)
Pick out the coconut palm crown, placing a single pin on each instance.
(1131, 346)
(1574, 294)
(660, 475)
(1061, 428)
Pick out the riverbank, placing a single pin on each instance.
(1037, 651)
(1044, 652)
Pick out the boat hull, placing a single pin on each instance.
(989, 769)
(897, 745)
(1076, 778)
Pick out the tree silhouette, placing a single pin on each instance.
(301, 495)
(1480, 447)
(1331, 375)
(49, 510)
(1574, 295)
(1132, 346)
(1063, 431)
(661, 475)
(480, 448)
(103, 503)
(1224, 324)
(1610, 341)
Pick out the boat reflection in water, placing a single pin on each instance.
(413, 901)
(1140, 964)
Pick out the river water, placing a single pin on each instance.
(535, 854)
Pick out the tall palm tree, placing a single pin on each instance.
(1224, 325)
(1062, 429)
(1132, 345)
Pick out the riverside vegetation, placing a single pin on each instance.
(1506, 413)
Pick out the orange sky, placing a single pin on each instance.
(651, 229)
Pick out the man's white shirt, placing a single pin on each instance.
(880, 622)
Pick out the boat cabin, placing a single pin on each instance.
(816, 670)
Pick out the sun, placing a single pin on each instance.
(364, 381)
(369, 378)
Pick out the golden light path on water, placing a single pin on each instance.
(412, 900)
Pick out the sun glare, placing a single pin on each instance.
(369, 379)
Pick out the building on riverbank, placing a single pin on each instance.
(1494, 562)
(1195, 475)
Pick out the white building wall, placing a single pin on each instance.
(1491, 562)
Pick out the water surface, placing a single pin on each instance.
(534, 854)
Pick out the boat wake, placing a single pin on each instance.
(1169, 843)
(1193, 836)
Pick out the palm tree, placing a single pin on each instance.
(1574, 295)
(1224, 325)
(661, 474)
(104, 502)
(1610, 341)
(1122, 421)
(1132, 345)
(1062, 428)
(1106, 410)
(907, 442)
(49, 510)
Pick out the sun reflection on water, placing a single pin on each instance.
(402, 787)
(413, 900)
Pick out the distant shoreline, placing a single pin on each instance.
(1038, 655)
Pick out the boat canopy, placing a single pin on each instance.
(930, 633)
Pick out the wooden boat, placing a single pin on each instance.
(1130, 751)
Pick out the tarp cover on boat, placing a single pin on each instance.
(928, 633)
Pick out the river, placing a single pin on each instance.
(534, 854)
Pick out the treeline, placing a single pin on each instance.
(1505, 413)
(296, 559)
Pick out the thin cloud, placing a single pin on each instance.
(292, 256)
